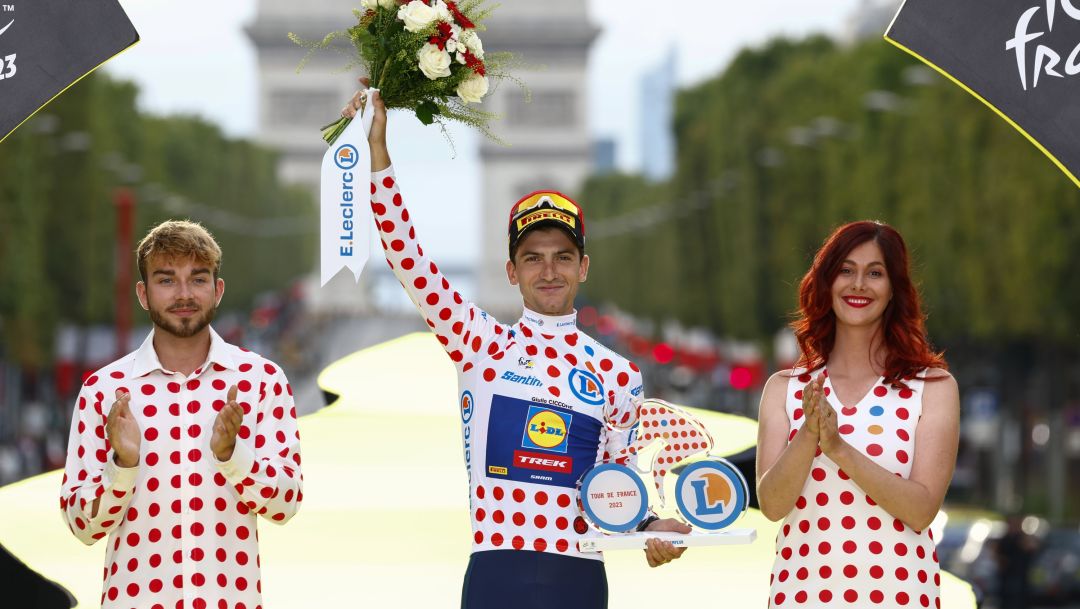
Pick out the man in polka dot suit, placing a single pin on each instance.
(541, 402)
(176, 448)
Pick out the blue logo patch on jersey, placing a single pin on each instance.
(536, 443)
(466, 407)
(546, 429)
(586, 387)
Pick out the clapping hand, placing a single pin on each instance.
(813, 400)
(828, 435)
(226, 426)
(122, 431)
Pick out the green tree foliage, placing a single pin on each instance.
(796, 138)
(58, 176)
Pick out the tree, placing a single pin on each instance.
(57, 222)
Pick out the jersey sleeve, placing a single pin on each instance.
(621, 414)
(464, 330)
(91, 474)
(268, 479)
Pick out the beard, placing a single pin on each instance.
(186, 327)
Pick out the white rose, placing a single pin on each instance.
(472, 42)
(443, 11)
(416, 15)
(451, 45)
(388, 3)
(473, 88)
(434, 62)
(369, 4)
(461, 57)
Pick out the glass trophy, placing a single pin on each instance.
(710, 493)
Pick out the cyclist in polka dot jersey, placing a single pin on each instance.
(541, 402)
(857, 445)
(177, 448)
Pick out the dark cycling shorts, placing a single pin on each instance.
(497, 579)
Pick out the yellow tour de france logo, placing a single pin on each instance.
(546, 429)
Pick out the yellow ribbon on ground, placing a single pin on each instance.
(385, 519)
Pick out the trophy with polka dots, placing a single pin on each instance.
(710, 492)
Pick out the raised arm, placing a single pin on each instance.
(380, 156)
(462, 328)
(784, 461)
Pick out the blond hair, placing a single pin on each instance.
(179, 239)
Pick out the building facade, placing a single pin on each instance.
(549, 145)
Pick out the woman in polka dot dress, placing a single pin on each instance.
(857, 445)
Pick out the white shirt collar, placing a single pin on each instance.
(147, 361)
(550, 324)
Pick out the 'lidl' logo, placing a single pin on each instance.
(546, 430)
(586, 387)
(346, 157)
(466, 407)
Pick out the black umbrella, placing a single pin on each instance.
(27, 589)
(47, 45)
(1020, 57)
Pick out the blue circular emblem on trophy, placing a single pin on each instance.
(346, 157)
(711, 494)
(613, 497)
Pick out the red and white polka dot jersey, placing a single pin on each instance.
(838, 548)
(540, 401)
(181, 524)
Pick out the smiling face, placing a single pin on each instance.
(547, 268)
(181, 295)
(862, 289)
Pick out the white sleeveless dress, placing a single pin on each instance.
(838, 548)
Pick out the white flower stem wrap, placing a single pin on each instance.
(345, 214)
(434, 62)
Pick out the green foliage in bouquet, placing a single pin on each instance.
(424, 56)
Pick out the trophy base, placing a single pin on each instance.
(636, 541)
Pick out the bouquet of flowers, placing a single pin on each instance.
(425, 56)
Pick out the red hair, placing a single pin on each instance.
(903, 327)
